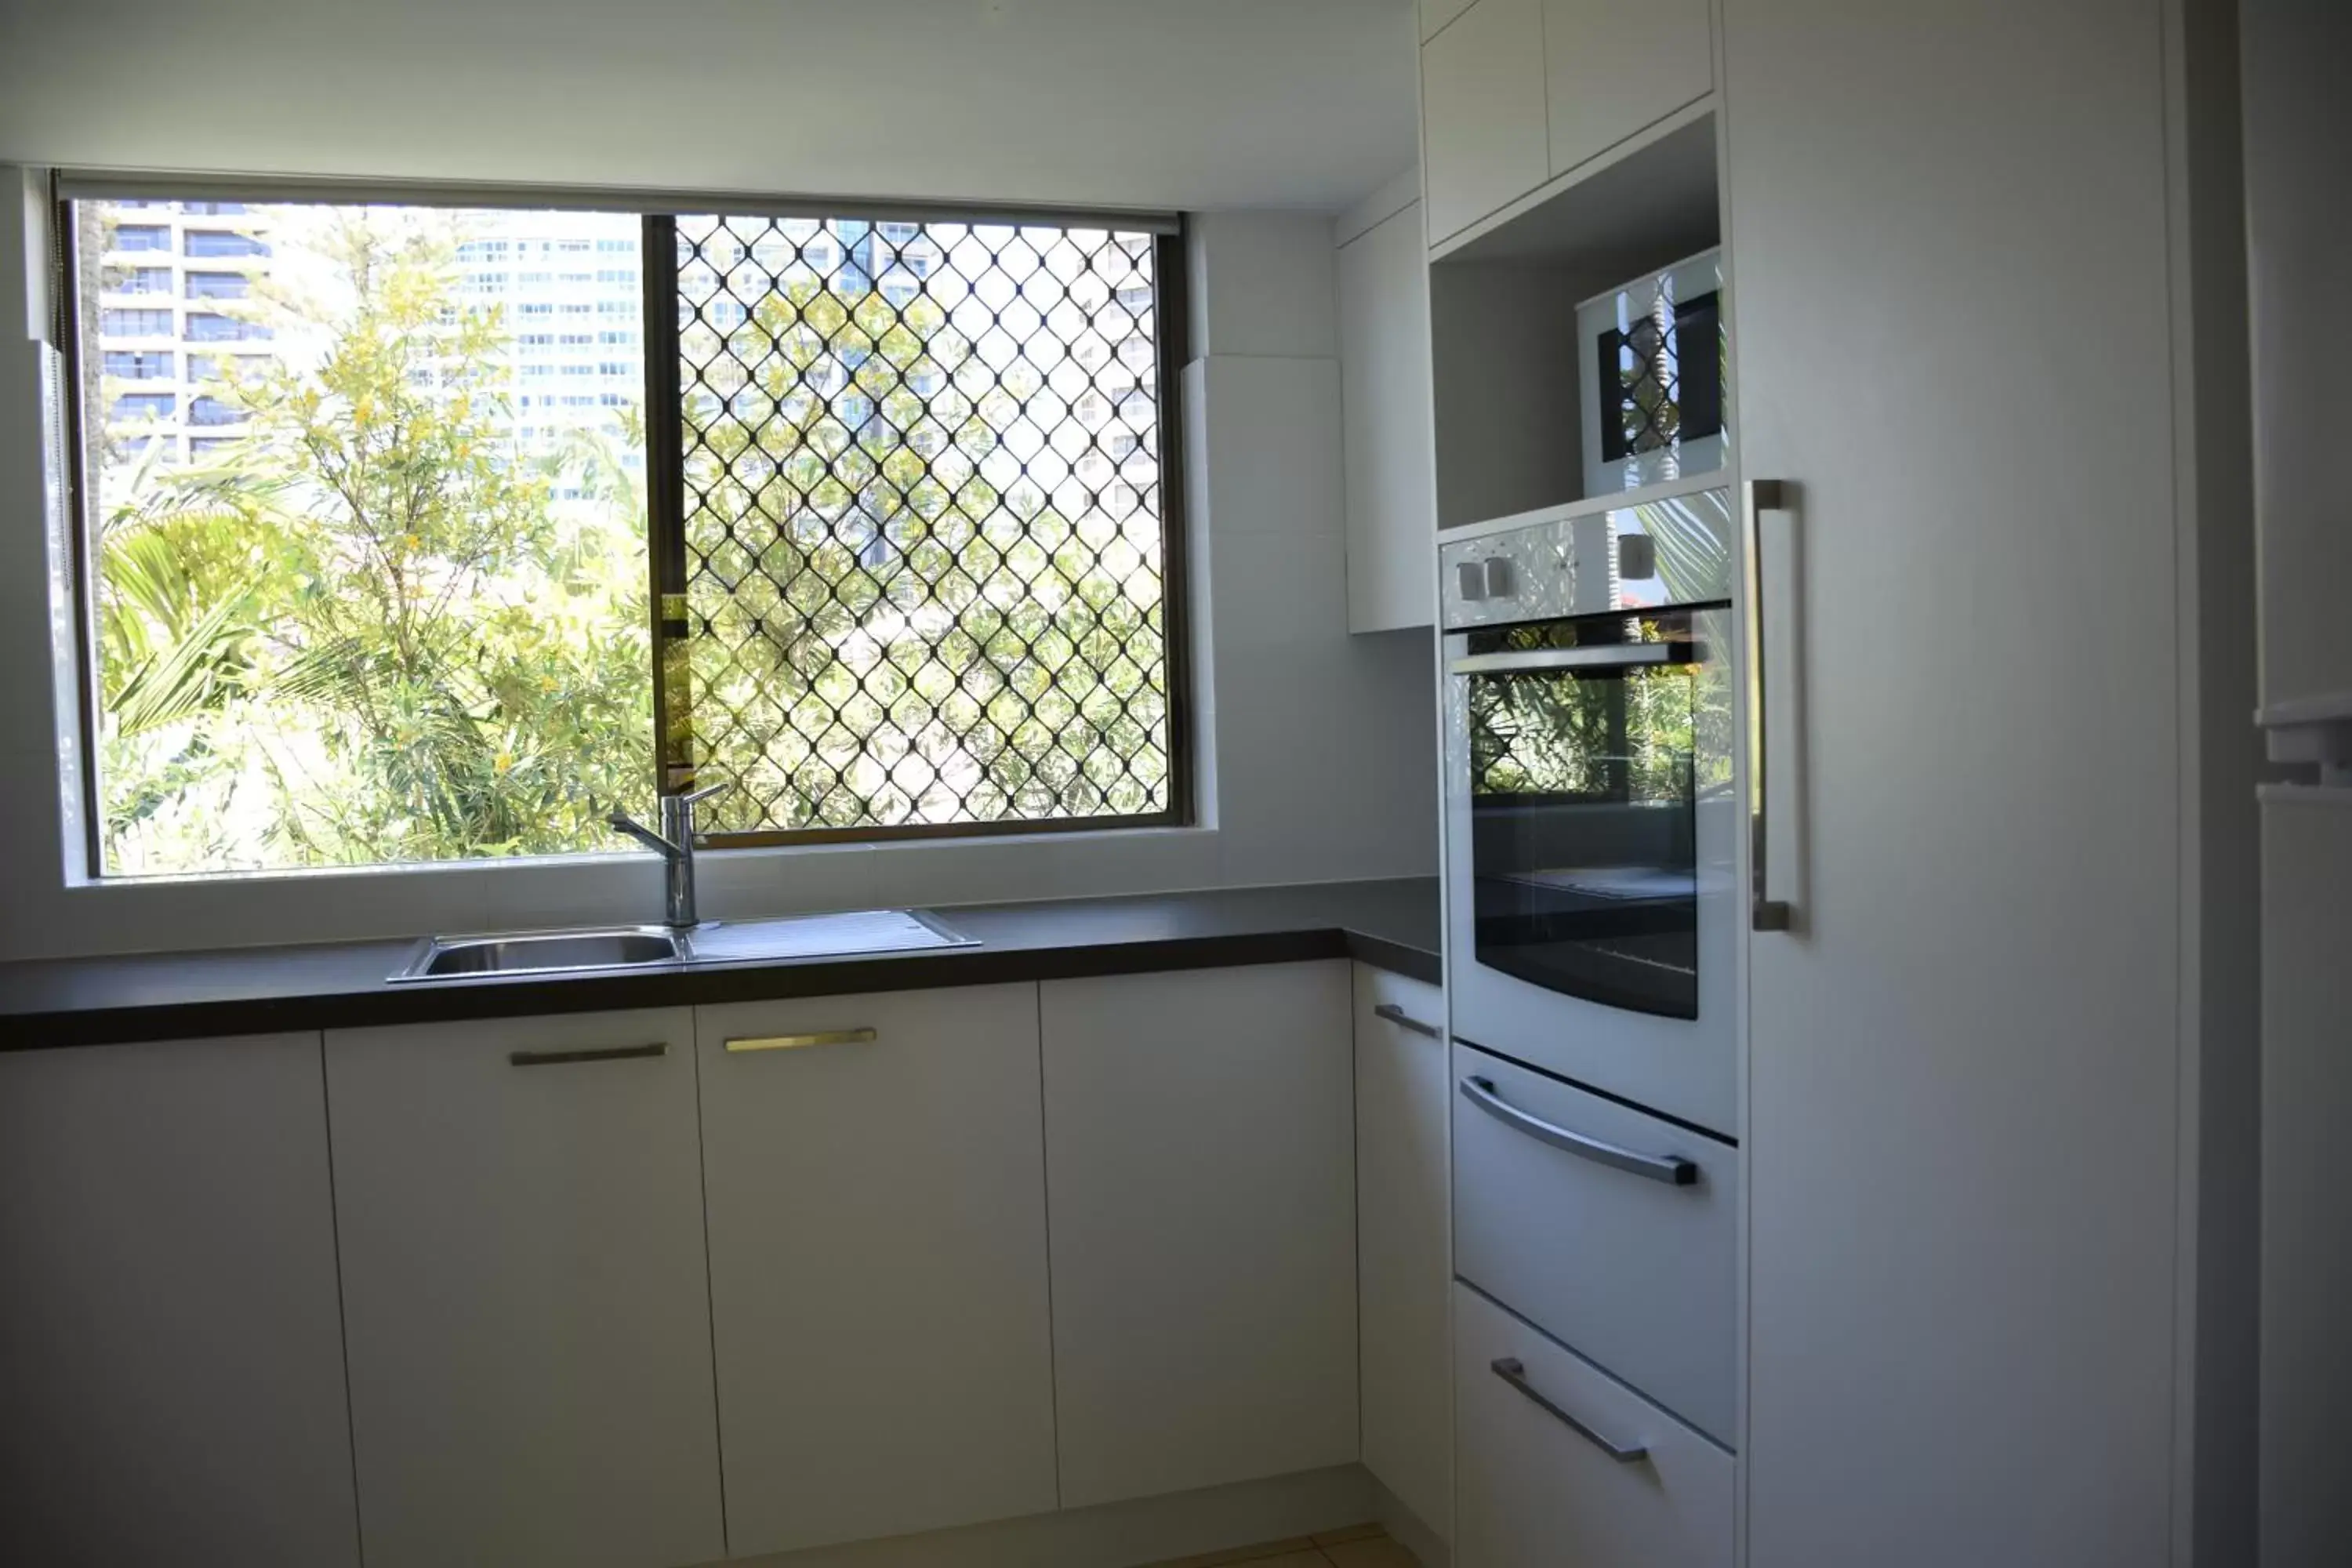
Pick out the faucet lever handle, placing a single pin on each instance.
(694, 797)
(620, 821)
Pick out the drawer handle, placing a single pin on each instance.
(1404, 1020)
(1671, 1169)
(609, 1054)
(802, 1042)
(1508, 1369)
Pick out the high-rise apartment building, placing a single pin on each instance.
(180, 298)
(168, 279)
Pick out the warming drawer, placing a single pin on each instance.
(1614, 1231)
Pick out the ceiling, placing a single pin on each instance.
(1167, 103)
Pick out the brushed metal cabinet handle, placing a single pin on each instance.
(1672, 1168)
(605, 1054)
(1510, 1369)
(1759, 497)
(802, 1042)
(1404, 1020)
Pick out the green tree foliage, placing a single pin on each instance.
(370, 634)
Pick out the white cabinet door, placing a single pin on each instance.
(520, 1206)
(1402, 1263)
(1386, 433)
(875, 1180)
(1201, 1189)
(1484, 143)
(1963, 1104)
(171, 1350)
(1539, 1489)
(1613, 69)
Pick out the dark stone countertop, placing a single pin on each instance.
(1392, 925)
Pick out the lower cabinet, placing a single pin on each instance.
(1402, 1259)
(875, 1178)
(171, 1362)
(1200, 1179)
(1557, 1464)
(519, 1209)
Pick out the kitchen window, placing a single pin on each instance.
(868, 528)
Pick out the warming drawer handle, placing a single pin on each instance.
(1404, 1020)
(1672, 1168)
(1510, 1371)
(608, 1054)
(802, 1042)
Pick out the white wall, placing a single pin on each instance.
(1315, 749)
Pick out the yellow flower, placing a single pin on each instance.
(505, 761)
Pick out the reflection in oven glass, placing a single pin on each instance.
(1584, 791)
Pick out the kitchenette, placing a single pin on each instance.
(1508, 840)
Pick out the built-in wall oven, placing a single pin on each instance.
(1593, 807)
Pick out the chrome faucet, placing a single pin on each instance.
(674, 845)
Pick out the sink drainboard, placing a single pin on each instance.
(821, 936)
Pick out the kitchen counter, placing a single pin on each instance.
(1392, 925)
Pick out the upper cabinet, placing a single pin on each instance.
(525, 1297)
(1484, 143)
(171, 1354)
(1611, 69)
(1383, 281)
(1518, 92)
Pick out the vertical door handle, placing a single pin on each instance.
(1765, 912)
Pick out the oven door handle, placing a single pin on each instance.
(1620, 656)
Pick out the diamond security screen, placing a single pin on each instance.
(922, 578)
(1665, 375)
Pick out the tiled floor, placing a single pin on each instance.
(1359, 1546)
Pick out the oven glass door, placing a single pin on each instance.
(1592, 744)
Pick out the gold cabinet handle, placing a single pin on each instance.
(798, 1041)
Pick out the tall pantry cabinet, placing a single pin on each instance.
(1966, 331)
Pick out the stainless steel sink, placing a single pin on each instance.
(541, 952)
(713, 942)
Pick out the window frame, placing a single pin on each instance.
(665, 480)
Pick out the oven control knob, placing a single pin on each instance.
(1470, 580)
(1499, 577)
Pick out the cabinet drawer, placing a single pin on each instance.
(1633, 1270)
(1482, 104)
(1534, 1491)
